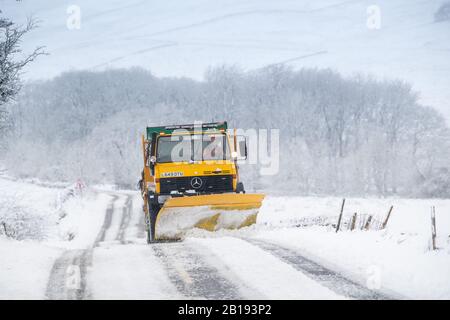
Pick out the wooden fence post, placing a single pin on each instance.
(353, 221)
(433, 228)
(362, 221)
(387, 218)
(340, 215)
(367, 226)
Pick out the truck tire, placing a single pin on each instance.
(151, 222)
(147, 229)
(240, 188)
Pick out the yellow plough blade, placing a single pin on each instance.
(209, 212)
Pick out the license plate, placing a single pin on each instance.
(172, 174)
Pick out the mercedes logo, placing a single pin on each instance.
(196, 182)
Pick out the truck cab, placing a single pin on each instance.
(192, 159)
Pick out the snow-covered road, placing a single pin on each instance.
(119, 264)
(92, 246)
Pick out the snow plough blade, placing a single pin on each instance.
(209, 212)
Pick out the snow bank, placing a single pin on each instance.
(56, 217)
(409, 215)
(398, 256)
(24, 268)
(27, 211)
(83, 218)
(32, 211)
(174, 222)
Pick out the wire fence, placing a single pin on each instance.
(361, 222)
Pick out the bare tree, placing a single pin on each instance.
(11, 36)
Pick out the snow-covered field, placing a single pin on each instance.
(160, 36)
(100, 232)
(398, 258)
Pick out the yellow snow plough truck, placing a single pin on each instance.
(191, 180)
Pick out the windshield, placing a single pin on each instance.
(192, 148)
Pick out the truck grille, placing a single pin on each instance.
(209, 184)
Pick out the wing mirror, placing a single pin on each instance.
(241, 149)
(152, 161)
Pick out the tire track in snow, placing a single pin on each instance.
(106, 223)
(328, 278)
(141, 233)
(126, 217)
(114, 220)
(67, 279)
(191, 275)
(126, 267)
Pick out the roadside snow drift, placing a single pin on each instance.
(398, 259)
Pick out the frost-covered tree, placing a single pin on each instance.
(12, 62)
(338, 135)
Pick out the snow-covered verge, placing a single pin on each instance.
(25, 262)
(82, 218)
(397, 259)
(50, 213)
(27, 211)
(36, 224)
(24, 268)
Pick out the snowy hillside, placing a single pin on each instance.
(160, 36)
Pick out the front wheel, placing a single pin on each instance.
(150, 222)
(240, 188)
